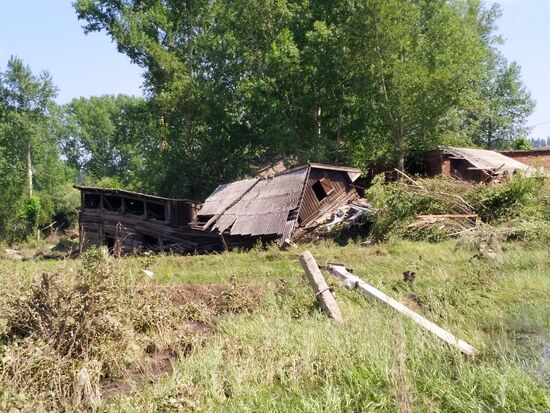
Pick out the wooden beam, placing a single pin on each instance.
(351, 281)
(448, 216)
(317, 281)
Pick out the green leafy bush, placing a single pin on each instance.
(30, 212)
(509, 200)
(520, 207)
(397, 204)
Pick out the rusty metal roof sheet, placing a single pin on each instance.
(486, 160)
(261, 206)
(264, 208)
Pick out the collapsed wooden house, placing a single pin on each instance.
(125, 220)
(276, 208)
(478, 165)
(239, 214)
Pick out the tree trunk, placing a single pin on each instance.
(490, 135)
(29, 168)
(318, 119)
(340, 122)
(399, 143)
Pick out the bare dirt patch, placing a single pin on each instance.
(153, 367)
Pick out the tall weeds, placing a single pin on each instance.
(72, 330)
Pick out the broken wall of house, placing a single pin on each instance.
(125, 221)
(477, 165)
(325, 190)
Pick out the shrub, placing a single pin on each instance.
(504, 201)
(520, 206)
(397, 204)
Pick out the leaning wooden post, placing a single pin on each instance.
(352, 281)
(317, 281)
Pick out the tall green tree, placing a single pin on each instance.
(30, 166)
(109, 137)
(234, 82)
(504, 106)
(27, 99)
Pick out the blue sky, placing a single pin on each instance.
(525, 26)
(47, 36)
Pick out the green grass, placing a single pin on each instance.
(288, 357)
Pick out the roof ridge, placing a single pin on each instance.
(129, 192)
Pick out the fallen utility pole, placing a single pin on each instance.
(320, 288)
(351, 281)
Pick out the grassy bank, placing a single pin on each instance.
(285, 356)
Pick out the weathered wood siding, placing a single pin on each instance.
(100, 225)
(311, 207)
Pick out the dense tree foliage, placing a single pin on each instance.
(239, 81)
(231, 84)
(107, 139)
(32, 176)
(499, 116)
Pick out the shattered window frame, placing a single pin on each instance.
(322, 188)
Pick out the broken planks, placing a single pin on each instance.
(317, 281)
(351, 280)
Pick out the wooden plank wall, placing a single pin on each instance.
(312, 208)
(103, 227)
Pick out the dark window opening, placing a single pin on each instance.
(135, 207)
(203, 219)
(150, 241)
(112, 203)
(292, 214)
(110, 241)
(156, 211)
(327, 186)
(322, 189)
(91, 201)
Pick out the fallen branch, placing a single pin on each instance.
(404, 175)
(351, 281)
(445, 194)
(48, 226)
(454, 234)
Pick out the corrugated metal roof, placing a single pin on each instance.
(225, 195)
(487, 160)
(264, 208)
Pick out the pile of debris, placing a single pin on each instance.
(349, 215)
(355, 215)
(450, 224)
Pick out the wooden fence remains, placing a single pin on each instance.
(320, 288)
